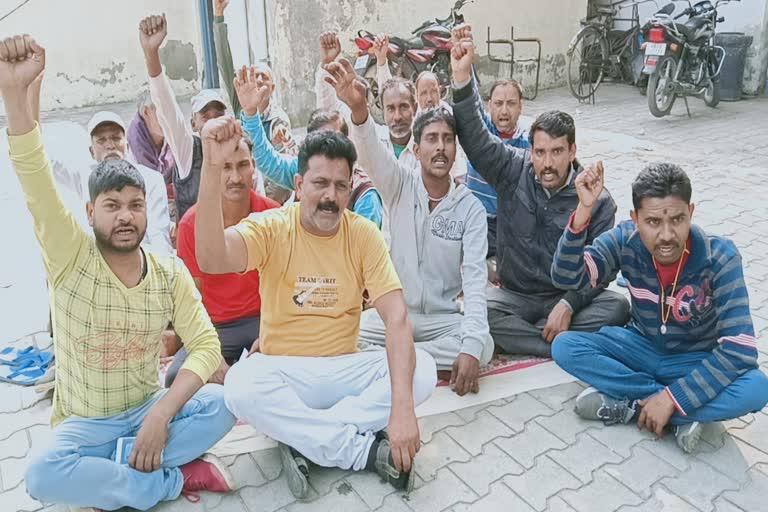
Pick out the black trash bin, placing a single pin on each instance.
(732, 72)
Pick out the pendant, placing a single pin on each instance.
(663, 329)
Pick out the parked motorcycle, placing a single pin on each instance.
(428, 49)
(682, 58)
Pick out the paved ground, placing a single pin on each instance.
(530, 452)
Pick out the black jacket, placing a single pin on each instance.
(529, 224)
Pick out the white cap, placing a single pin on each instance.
(206, 96)
(104, 116)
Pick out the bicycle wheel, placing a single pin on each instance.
(587, 57)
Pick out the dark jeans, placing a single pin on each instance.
(234, 336)
(516, 321)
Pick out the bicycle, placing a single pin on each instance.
(598, 50)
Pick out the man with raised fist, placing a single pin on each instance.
(536, 195)
(111, 303)
(305, 384)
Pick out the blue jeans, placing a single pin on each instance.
(77, 468)
(622, 364)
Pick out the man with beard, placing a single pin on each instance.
(111, 302)
(689, 355)
(536, 195)
(232, 300)
(109, 142)
(441, 242)
(305, 383)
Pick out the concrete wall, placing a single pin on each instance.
(93, 52)
(294, 25)
(747, 16)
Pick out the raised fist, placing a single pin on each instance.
(220, 138)
(152, 32)
(381, 48)
(252, 92)
(22, 60)
(589, 185)
(462, 53)
(219, 6)
(349, 88)
(330, 47)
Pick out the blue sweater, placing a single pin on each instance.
(710, 310)
(282, 168)
(476, 183)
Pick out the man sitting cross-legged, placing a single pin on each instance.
(440, 240)
(232, 300)
(536, 195)
(689, 353)
(111, 302)
(306, 385)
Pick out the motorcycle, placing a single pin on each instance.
(682, 58)
(428, 49)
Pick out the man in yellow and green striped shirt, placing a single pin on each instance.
(110, 303)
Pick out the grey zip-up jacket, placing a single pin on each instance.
(437, 254)
(530, 221)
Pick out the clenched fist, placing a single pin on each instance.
(462, 53)
(22, 60)
(220, 138)
(152, 32)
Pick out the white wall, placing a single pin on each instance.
(294, 25)
(93, 52)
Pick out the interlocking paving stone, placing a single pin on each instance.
(661, 501)
(700, 485)
(486, 468)
(246, 472)
(641, 471)
(17, 499)
(754, 495)
(584, 456)
(519, 411)
(756, 434)
(556, 396)
(667, 450)
(499, 498)
(619, 438)
(442, 492)
(370, 487)
(529, 444)
(734, 458)
(341, 497)
(556, 504)
(483, 429)
(269, 462)
(431, 424)
(268, 497)
(603, 494)
(437, 454)
(566, 424)
(468, 413)
(16, 446)
(546, 479)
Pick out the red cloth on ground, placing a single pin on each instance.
(227, 297)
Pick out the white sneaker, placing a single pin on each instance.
(687, 436)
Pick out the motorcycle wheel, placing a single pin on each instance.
(660, 97)
(712, 94)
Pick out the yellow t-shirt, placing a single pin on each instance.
(312, 287)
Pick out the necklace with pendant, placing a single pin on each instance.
(437, 200)
(665, 313)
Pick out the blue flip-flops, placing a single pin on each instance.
(25, 367)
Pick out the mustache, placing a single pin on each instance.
(329, 206)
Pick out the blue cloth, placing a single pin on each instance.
(77, 468)
(621, 363)
(482, 190)
(709, 313)
(281, 169)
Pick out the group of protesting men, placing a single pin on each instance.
(359, 281)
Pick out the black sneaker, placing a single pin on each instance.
(593, 405)
(381, 461)
(296, 469)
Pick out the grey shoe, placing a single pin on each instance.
(296, 469)
(687, 436)
(384, 465)
(593, 405)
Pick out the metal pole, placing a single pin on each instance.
(210, 66)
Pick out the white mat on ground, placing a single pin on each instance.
(498, 384)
